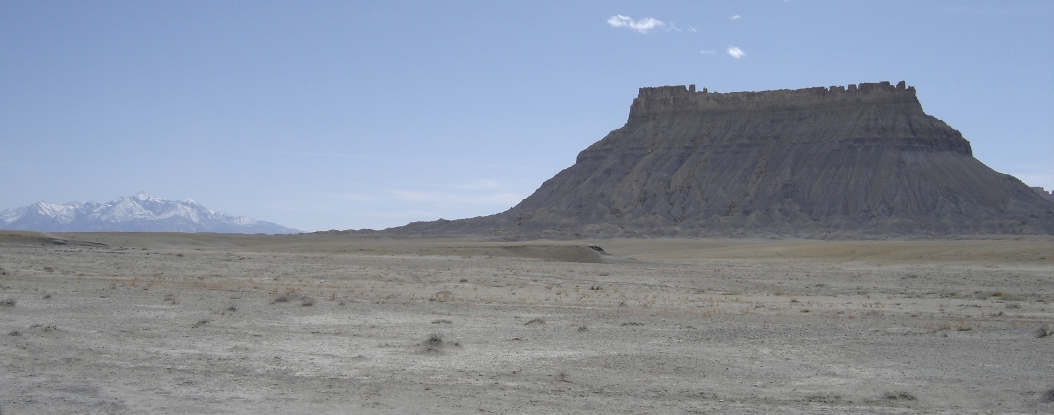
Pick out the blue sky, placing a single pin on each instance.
(346, 115)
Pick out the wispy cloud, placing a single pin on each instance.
(736, 52)
(707, 52)
(736, 17)
(641, 26)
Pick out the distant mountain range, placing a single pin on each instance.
(139, 213)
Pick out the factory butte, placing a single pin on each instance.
(863, 160)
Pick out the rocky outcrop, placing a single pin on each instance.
(1043, 193)
(862, 159)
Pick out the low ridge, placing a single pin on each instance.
(863, 159)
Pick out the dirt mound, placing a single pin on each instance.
(37, 238)
(550, 252)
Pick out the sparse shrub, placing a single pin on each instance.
(200, 323)
(632, 323)
(1045, 330)
(583, 328)
(283, 298)
(1048, 396)
(824, 398)
(900, 396)
(307, 301)
(435, 343)
(464, 280)
(15, 333)
(47, 296)
(535, 321)
(442, 321)
(10, 302)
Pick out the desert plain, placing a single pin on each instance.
(133, 323)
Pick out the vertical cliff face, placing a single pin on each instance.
(864, 159)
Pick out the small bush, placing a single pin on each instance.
(1045, 330)
(442, 321)
(434, 343)
(1049, 395)
(283, 298)
(307, 301)
(535, 321)
(10, 302)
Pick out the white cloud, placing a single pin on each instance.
(736, 52)
(707, 52)
(736, 17)
(642, 26)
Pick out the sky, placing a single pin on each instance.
(325, 115)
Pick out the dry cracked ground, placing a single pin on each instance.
(310, 324)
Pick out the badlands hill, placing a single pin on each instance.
(863, 159)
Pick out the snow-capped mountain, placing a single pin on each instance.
(139, 213)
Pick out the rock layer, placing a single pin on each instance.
(864, 160)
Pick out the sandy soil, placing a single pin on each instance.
(242, 324)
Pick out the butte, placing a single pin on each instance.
(860, 160)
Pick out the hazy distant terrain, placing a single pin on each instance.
(129, 323)
(139, 213)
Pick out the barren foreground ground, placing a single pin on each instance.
(310, 324)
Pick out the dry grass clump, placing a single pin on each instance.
(9, 302)
(535, 321)
(442, 321)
